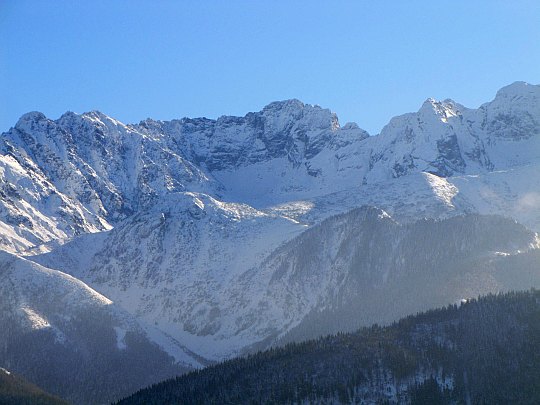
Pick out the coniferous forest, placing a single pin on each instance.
(483, 351)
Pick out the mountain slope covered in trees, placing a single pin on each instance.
(484, 351)
(14, 390)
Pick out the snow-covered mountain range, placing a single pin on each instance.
(233, 234)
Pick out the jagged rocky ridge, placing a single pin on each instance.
(184, 223)
(85, 172)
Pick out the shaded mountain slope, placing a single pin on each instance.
(71, 340)
(222, 287)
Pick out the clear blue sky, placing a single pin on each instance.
(366, 60)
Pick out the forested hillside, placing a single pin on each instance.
(483, 351)
(16, 391)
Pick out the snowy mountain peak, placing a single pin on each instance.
(282, 112)
(443, 110)
(350, 126)
(31, 116)
(291, 104)
(518, 88)
(32, 121)
(514, 114)
(430, 101)
(103, 121)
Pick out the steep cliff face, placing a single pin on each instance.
(285, 129)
